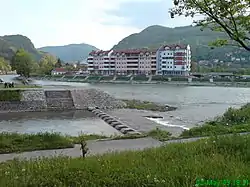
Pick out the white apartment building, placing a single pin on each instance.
(174, 60)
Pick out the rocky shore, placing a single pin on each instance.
(42, 100)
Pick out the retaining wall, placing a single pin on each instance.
(40, 100)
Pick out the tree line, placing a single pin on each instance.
(24, 64)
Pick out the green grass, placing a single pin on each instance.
(146, 105)
(159, 134)
(122, 78)
(10, 95)
(14, 142)
(175, 165)
(140, 78)
(232, 121)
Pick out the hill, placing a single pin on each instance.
(71, 52)
(9, 44)
(155, 36)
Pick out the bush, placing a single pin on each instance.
(175, 165)
(232, 121)
(10, 95)
(237, 116)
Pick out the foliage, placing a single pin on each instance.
(23, 63)
(10, 95)
(155, 36)
(159, 134)
(9, 44)
(47, 64)
(70, 53)
(4, 66)
(174, 165)
(235, 116)
(227, 16)
(232, 121)
(58, 63)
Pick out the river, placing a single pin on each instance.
(195, 104)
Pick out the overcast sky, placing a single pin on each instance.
(102, 23)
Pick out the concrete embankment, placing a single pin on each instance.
(42, 100)
(112, 121)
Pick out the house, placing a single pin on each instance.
(58, 71)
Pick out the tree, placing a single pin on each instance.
(58, 63)
(22, 62)
(193, 67)
(4, 66)
(228, 16)
(47, 64)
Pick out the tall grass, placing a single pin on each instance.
(175, 165)
(14, 142)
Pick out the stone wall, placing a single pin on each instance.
(33, 100)
(40, 100)
(95, 98)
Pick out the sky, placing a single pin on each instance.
(101, 23)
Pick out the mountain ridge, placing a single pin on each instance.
(156, 35)
(9, 44)
(70, 52)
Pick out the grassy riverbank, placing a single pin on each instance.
(14, 142)
(222, 158)
(232, 121)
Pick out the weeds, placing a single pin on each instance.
(175, 165)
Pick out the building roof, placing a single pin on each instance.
(99, 52)
(173, 46)
(138, 51)
(59, 70)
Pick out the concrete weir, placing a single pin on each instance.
(118, 125)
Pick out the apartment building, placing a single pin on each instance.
(167, 60)
(174, 60)
(122, 62)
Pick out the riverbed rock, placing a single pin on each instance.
(33, 95)
(85, 98)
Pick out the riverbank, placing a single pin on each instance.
(210, 159)
(179, 81)
(188, 160)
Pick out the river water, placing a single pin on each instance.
(195, 104)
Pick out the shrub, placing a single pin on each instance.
(232, 121)
(10, 95)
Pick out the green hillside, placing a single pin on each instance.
(71, 52)
(10, 43)
(155, 36)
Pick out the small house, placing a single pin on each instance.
(58, 71)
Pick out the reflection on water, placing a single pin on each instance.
(50, 115)
(66, 122)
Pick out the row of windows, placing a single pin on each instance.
(174, 67)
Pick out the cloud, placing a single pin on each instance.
(96, 22)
